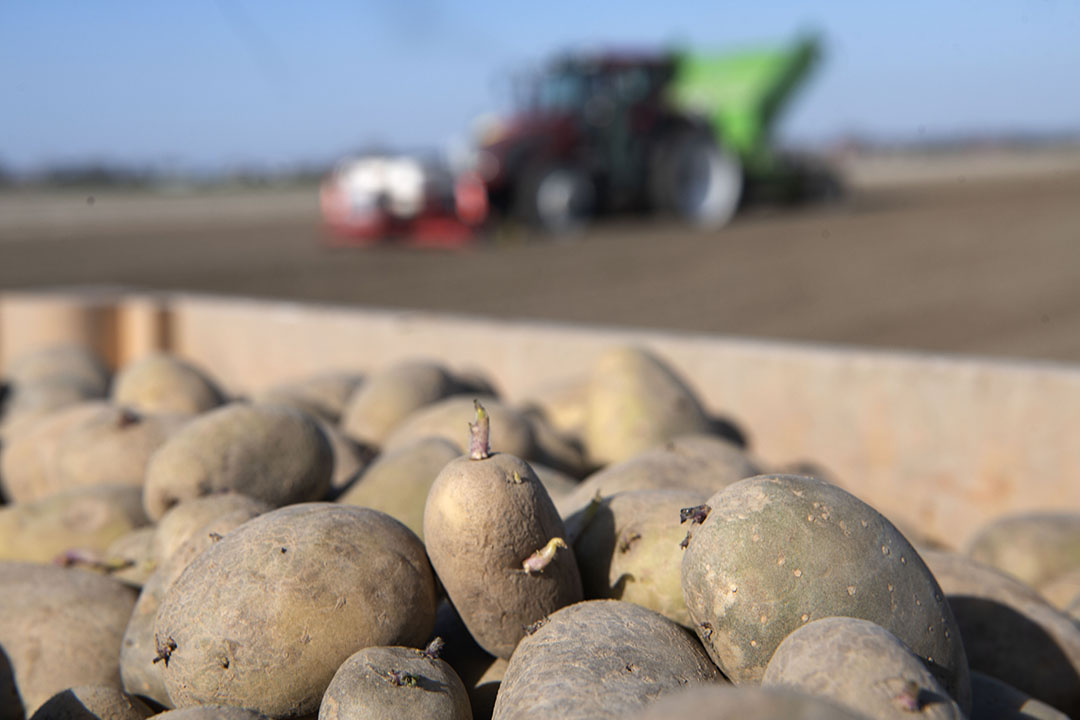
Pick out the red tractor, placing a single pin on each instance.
(684, 134)
(678, 133)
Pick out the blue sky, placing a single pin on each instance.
(207, 83)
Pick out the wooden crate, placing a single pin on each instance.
(941, 444)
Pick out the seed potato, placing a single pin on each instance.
(93, 702)
(267, 614)
(635, 401)
(389, 396)
(862, 666)
(484, 518)
(599, 659)
(1010, 632)
(390, 683)
(777, 551)
(269, 452)
(163, 383)
(60, 628)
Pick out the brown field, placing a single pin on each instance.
(954, 260)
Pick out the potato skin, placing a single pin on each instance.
(64, 361)
(87, 518)
(365, 687)
(324, 395)
(1035, 548)
(93, 702)
(724, 702)
(389, 396)
(187, 518)
(777, 551)
(211, 712)
(482, 519)
(133, 548)
(28, 454)
(265, 616)
(397, 481)
(112, 447)
(61, 628)
(163, 383)
(272, 453)
(700, 463)
(138, 670)
(1010, 632)
(860, 665)
(511, 432)
(629, 550)
(997, 700)
(635, 401)
(599, 659)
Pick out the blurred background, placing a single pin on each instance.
(900, 176)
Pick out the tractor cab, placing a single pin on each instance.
(584, 124)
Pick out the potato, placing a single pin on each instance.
(472, 663)
(1010, 632)
(635, 402)
(996, 700)
(164, 383)
(387, 397)
(723, 702)
(28, 455)
(563, 404)
(131, 555)
(60, 361)
(26, 404)
(449, 419)
(270, 452)
(553, 448)
(391, 683)
(485, 690)
(629, 549)
(1033, 547)
(60, 628)
(211, 712)
(112, 447)
(86, 519)
(484, 518)
(324, 395)
(777, 551)
(397, 481)
(350, 459)
(860, 665)
(187, 518)
(701, 463)
(558, 484)
(139, 667)
(599, 659)
(1060, 591)
(93, 702)
(265, 616)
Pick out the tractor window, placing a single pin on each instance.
(632, 86)
(560, 91)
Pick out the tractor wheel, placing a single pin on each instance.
(557, 199)
(698, 180)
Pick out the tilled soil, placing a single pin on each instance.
(989, 266)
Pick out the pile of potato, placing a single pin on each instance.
(408, 545)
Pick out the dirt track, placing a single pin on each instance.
(989, 266)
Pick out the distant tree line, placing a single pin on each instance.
(109, 175)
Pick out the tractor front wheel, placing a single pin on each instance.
(558, 199)
(698, 180)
